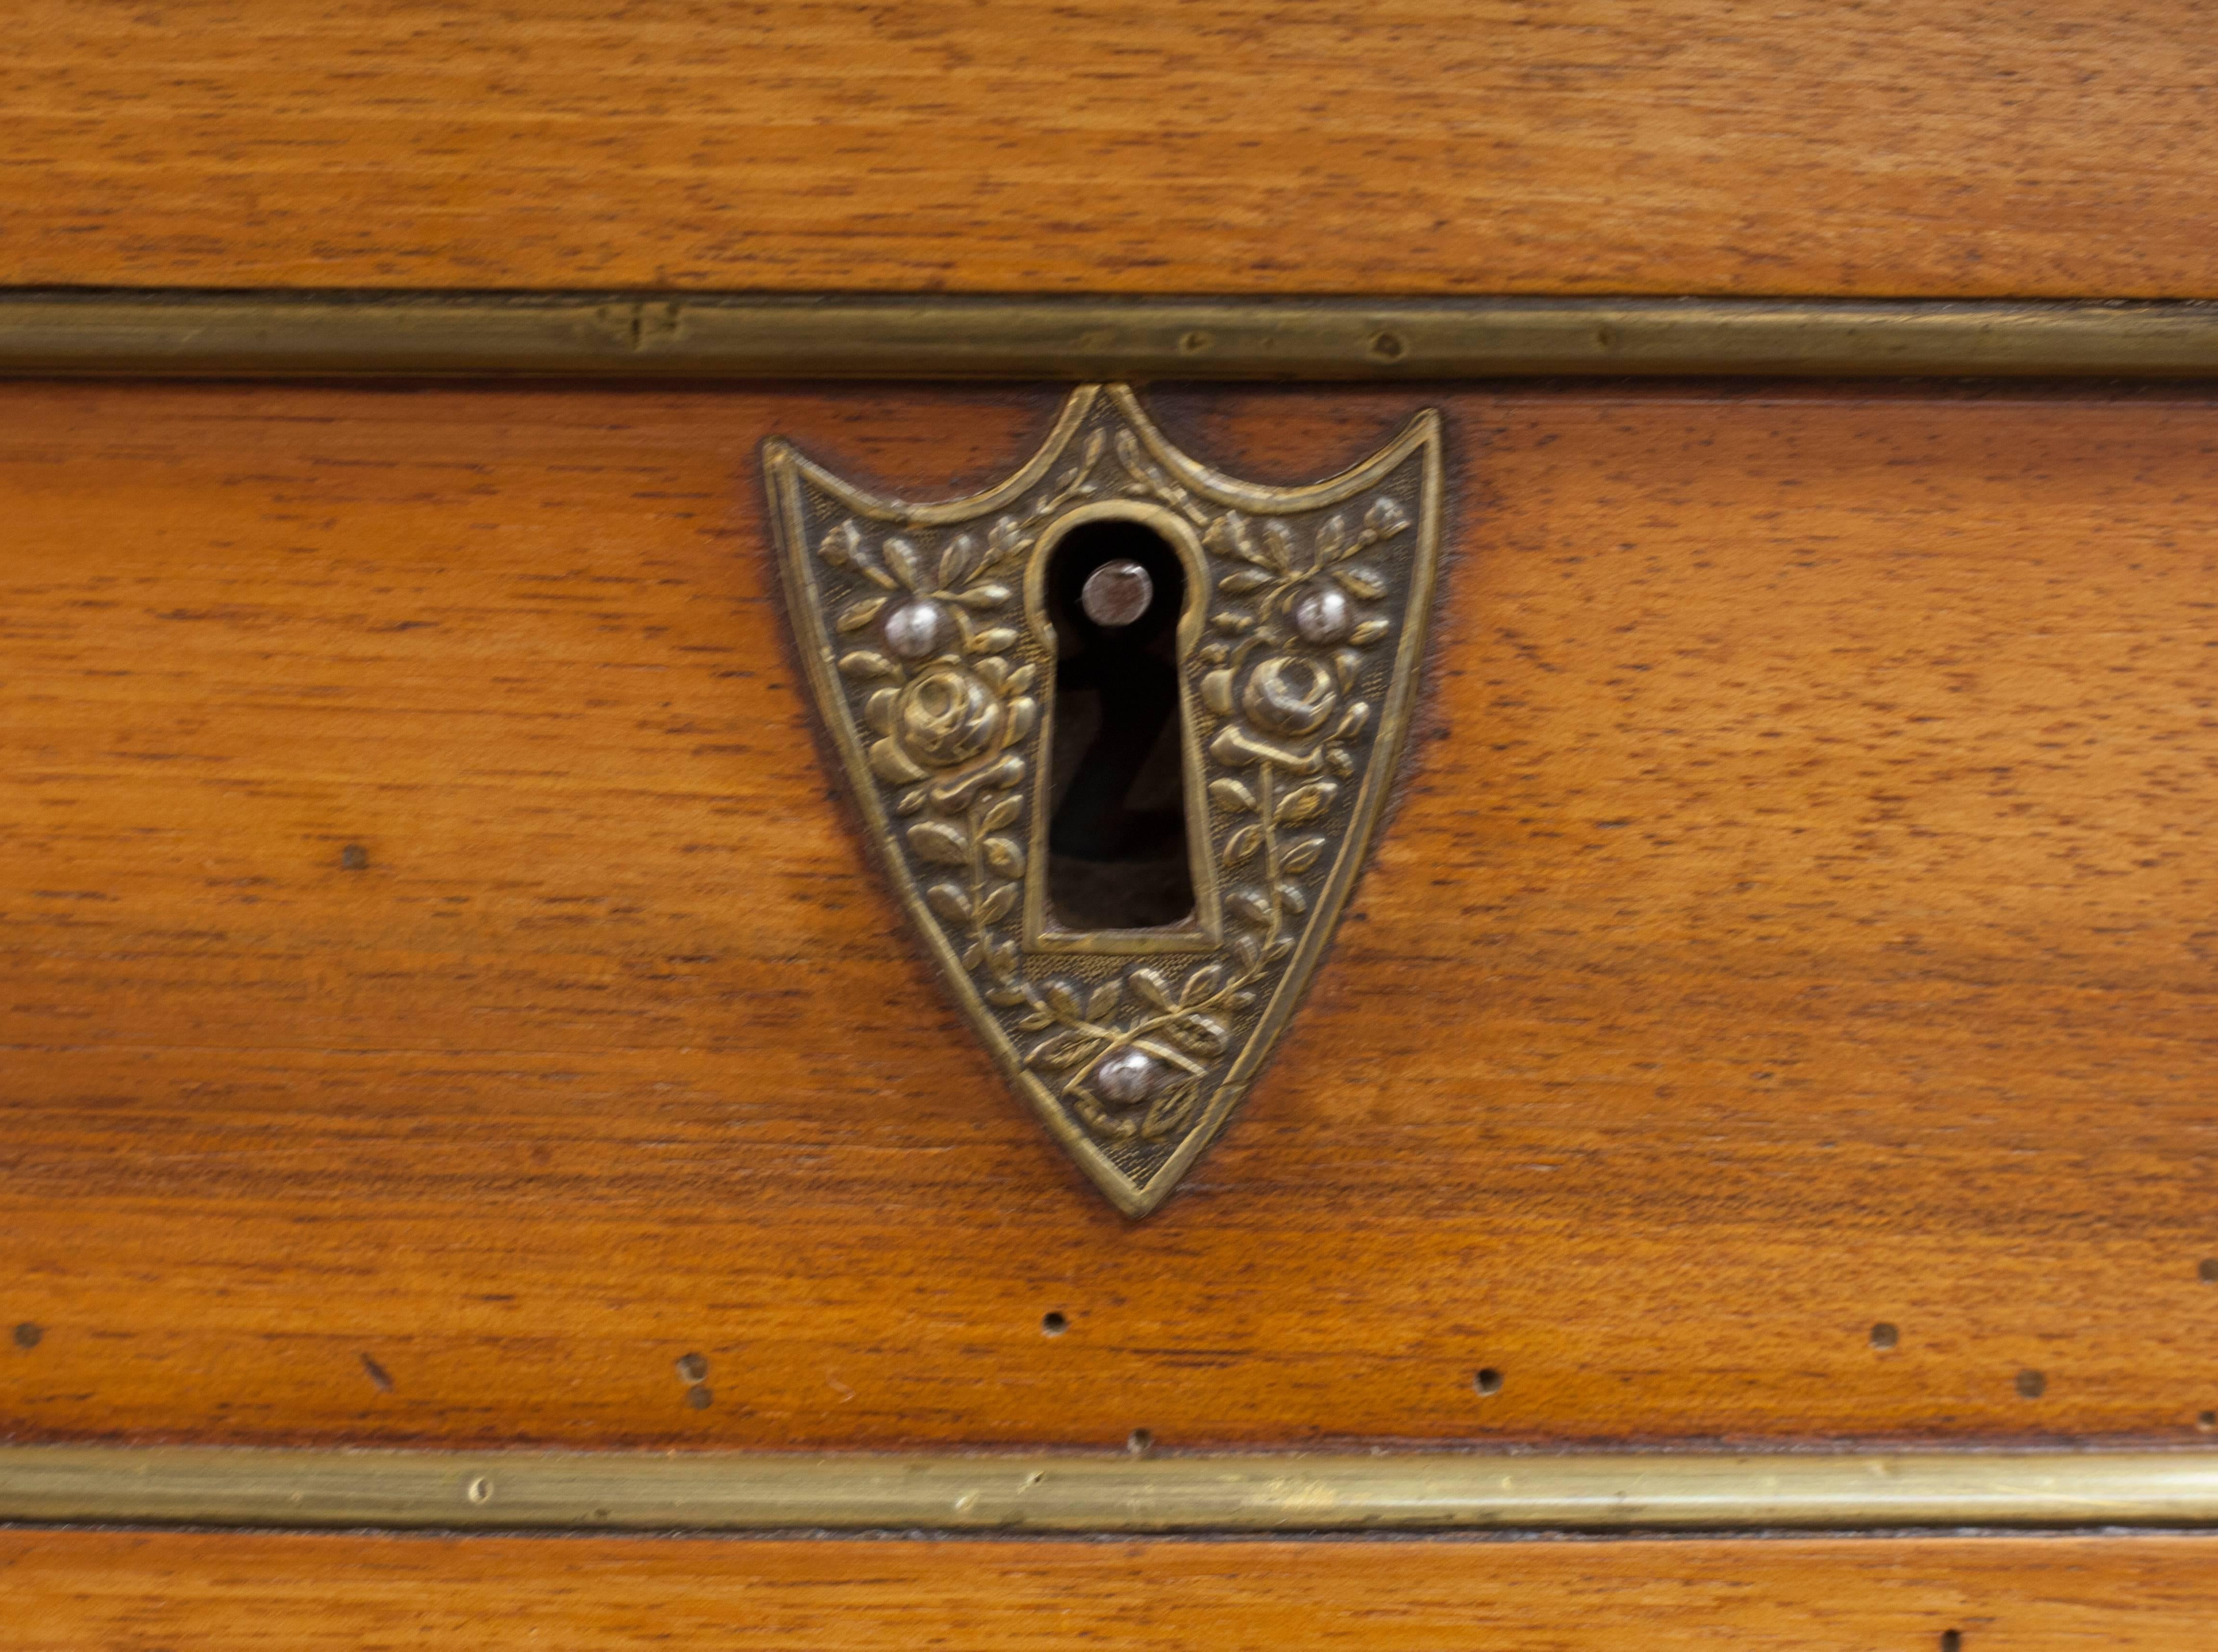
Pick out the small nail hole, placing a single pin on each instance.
(699, 1398)
(1139, 1441)
(2206, 1270)
(27, 1335)
(1952, 1640)
(480, 1490)
(2032, 1384)
(1884, 1335)
(1193, 341)
(1053, 1324)
(1488, 1381)
(692, 1367)
(1388, 345)
(2206, 1419)
(354, 858)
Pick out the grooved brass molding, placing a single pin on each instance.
(711, 337)
(1283, 692)
(1404, 1492)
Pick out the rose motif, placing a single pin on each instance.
(947, 715)
(1289, 696)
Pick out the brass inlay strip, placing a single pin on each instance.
(1397, 1492)
(341, 335)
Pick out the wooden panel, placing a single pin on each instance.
(68, 1590)
(1799, 920)
(1906, 147)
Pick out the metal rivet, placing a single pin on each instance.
(1127, 1078)
(1117, 593)
(917, 630)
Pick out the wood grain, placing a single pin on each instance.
(1902, 147)
(1797, 920)
(70, 1590)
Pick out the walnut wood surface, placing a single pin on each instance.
(1906, 147)
(1798, 919)
(68, 1591)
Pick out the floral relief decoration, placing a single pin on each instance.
(935, 681)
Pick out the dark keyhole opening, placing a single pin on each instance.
(1116, 846)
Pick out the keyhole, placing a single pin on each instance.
(1117, 840)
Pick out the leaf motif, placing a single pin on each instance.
(984, 597)
(1331, 538)
(841, 546)
(860, 612)
(1201, 983)
(1169, 1112)
(1294, 896)
(911, 802)
(1241, 581)
(1229, 536)
(995, 907)
(1216, 692)
(1060, 1050)
(1004, 858)
(1002, 954)
(1339, 761)
(1301, 854)
(1306, 802)
(957, 561)
(1352, 720)
(937, 840)
(1004, 995)
(1360, 582)
(892, 764)
(1370, 631)
(878, 711)
(906, 563)
(1148, 478)
(993, 640)
(1147, 984)
(1242, 844)
(1281, 540)
(1277, 949)
(1021, 713)
(1385, 518)
(1035, 1021)
(1103, 1002)
(1230, 795)
(1021, 678)
(1233, 624)
(999, 813)
(992, 671)
(1005, 540)
(1248, 952)
(949, 902)
(865, 664)
(1346, 663)
(1213, 654)
(1063, 998)
(1198, 1034)
(1250, 905)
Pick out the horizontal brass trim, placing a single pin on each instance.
(1390, 1492)
(340, 335)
